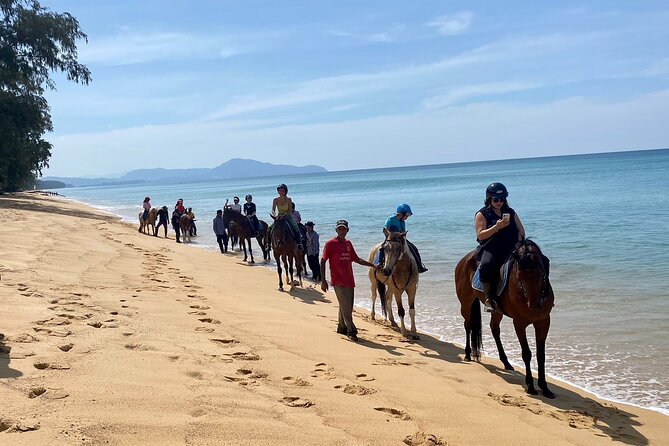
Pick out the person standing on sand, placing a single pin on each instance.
(220, 231)
(162, 220)
(341, 254)
(313, 250)
(175, 224)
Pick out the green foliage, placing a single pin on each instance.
(34, 42)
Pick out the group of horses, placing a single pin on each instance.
(527, 298)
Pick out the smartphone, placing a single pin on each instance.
(506, 216)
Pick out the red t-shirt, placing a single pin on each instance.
(341, 256)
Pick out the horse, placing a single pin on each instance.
(184, 224)
(527, 299)
(150, 221)
(285, 249)
(398, 275)
(244, 231)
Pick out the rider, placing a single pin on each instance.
(298, 220)
(284, 206)
(236, 206)
(498, 230)
(250, 212)
(147, 207)
(396, 223)
(179, 207)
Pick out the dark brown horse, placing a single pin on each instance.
(527, 299)
(184, 225)
(241, 226)
(285, 249)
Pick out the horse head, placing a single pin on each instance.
(532, 274)
(279, 230)
(394, 248)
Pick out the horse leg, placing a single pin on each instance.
(389, 308)
(527, 354)
(290, 263)
(495, 321)
(250, 250)
(411, 294)
(372, 280)
(299, 273)
(277, 259)
(541, 333)
(400, 311)
(242, 247)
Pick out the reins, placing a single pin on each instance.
(391, 274)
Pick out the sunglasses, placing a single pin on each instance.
(498, 200)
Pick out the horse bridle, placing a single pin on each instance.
(398, 258)
(544, 280)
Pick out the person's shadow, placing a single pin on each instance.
(5, 370)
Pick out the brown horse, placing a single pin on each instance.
(184, 225)
(150, 221)
(527, 299)
(285, 249)
(399, 275)
(244, 231)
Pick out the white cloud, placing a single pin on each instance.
(133, 47)
(460, 93)
(453, 24)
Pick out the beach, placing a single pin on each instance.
(115, 337)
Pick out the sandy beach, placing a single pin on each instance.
(114, 337)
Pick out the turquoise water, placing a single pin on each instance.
(602, 219)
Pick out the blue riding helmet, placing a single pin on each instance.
(404, 209)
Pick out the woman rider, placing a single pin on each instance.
(284, 208)
(250, 212)
(498, 230)
(395, 223)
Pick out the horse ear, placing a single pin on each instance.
(403, 234)
(385, 231)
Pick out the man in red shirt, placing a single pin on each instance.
(341, 255)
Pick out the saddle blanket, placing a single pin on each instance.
(503, 274)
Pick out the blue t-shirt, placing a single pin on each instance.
(395, 225)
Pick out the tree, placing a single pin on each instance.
(34, 42)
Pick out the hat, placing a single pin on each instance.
(219, 211)
(309, 223)
(342, 223)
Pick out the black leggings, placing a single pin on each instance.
(161, 223)
(491, 263)
(222, 240)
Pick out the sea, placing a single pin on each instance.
(602, 219)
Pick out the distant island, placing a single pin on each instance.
(235, 168)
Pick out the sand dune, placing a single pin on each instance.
(113, 337)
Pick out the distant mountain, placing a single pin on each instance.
(235, 168)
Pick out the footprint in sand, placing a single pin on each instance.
(323, 371)
(243, 356)
(299, 382)
(389, 361)
(198, 313)
(23, 338)
(402, 415)
(7, 425)
(423, 439)
(353, 389)
(247, 377)
(56, 333)
(66, 347)
(199, 307)
(49, 394)
(296, 401)
(209, 320)
(226, 342)
(204, 329)
(43, 365)
(363, 377)
(137, 346)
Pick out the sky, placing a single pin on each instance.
(353, 85)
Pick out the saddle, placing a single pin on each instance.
(503, 278)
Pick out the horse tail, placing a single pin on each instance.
(475, 325)
(382, 294)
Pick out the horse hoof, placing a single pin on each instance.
(532, 391)
(508, 367)
(468, 358)
(547, 393)
(415, 337)
(280, 288)
(252, 261)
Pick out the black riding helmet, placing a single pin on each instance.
(248, 196)
(496, 190)
(282, 186)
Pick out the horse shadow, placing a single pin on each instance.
(5, 370)
(582, 411)
(308, 296)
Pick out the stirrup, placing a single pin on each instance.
(489, 306)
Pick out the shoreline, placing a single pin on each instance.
(366, 309)
(262, 363)
(358, 307)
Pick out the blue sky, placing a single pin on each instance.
(350, 84)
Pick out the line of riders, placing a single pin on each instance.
(498, 230)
